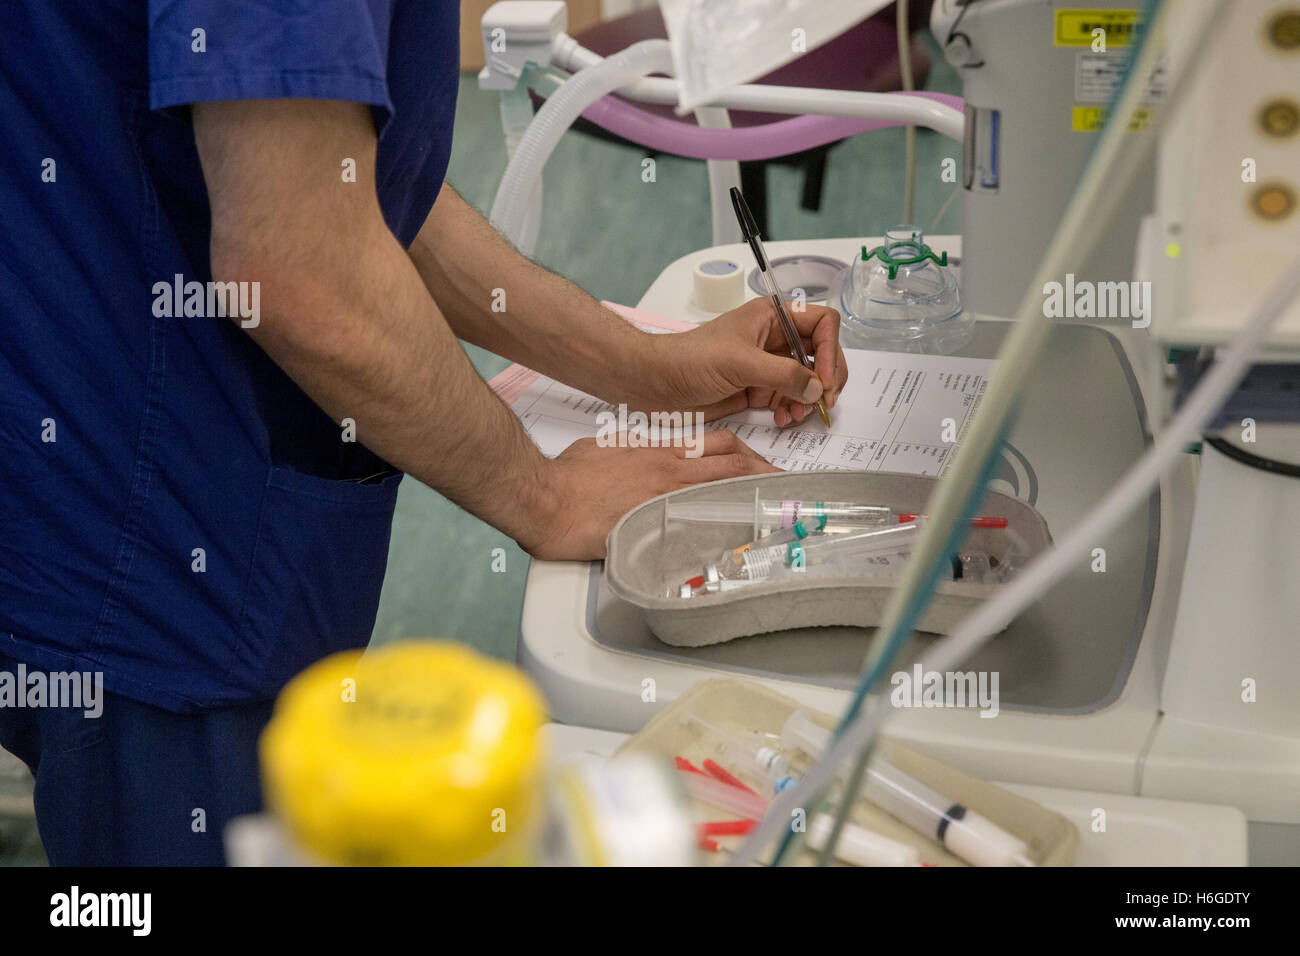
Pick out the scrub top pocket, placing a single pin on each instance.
(316, 573)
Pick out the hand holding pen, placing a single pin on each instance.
(741, 359)
(749, 229)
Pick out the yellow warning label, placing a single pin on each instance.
(1089, 119)
(1075, 27)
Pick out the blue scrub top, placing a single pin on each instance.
(174, 511)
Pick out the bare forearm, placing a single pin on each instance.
(499, 300)
(346, 313)
(360, 334)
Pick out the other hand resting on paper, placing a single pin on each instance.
(592, 487)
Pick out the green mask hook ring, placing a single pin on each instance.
(885, 254)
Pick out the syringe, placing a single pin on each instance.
(770, 515)
(865, 553)
(858, 846)
(752, 558)
(750, 753)
(974, 567)
(879, 552)
(965, 833)
(759, 561)
(853, 547)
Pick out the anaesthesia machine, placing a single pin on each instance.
(1128, 179)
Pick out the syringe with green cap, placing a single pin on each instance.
(879, 552)
(855, 548)
(759, 561)
(866, 553)
(752, 559)
(755, 560)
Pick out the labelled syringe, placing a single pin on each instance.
(768, 516)
(963, 832)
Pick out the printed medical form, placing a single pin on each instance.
(899, 412)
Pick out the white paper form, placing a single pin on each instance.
(893, 415)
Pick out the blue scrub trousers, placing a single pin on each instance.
(138, 785)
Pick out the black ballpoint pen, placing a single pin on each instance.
(749, 229)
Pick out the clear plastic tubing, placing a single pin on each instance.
(587, 91)
(768, 141)
(516, 117)
(748, 143)
(510, 208)
(964, 833)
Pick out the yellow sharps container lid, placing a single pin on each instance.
(417, 753)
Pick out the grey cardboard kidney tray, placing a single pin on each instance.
(649, 556)
(1080, 427)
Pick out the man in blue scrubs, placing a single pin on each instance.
(197, 480)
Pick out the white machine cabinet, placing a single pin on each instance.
(1082, 673)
